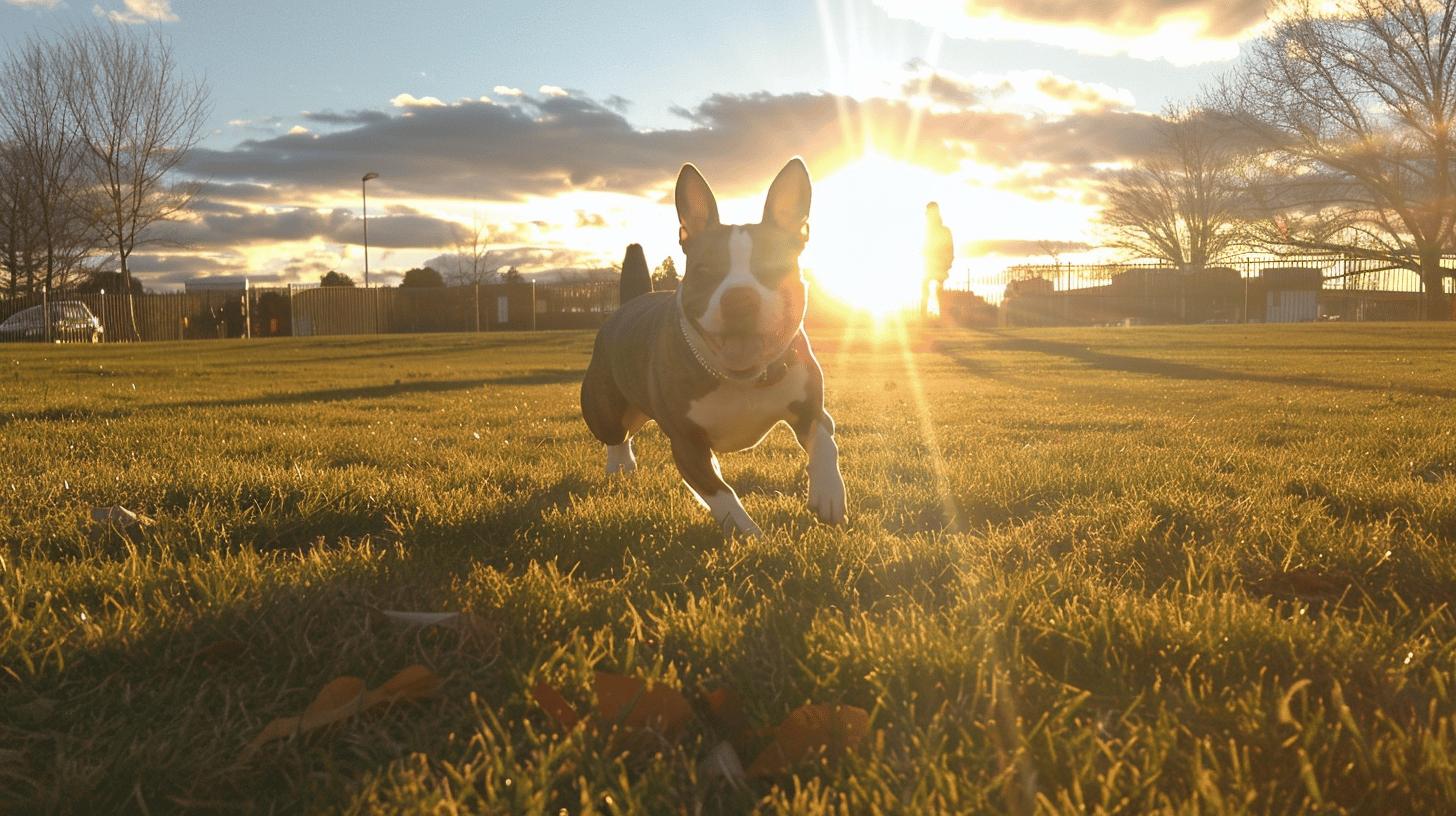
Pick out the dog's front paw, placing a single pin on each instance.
(826, 497)
(744, 527)
(730, 515)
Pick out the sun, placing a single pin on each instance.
(867, 233)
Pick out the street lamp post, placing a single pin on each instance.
(364, 192)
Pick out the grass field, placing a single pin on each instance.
(1202, 569)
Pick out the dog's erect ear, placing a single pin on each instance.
(787, 206)
(697, 209)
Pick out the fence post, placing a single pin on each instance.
(533, 305)
(45, 311)
(247, 311)
(477, 307)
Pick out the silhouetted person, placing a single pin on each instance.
(939, 252)
(636, 280)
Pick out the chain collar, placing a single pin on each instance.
(768, 375)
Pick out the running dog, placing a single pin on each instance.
(721, 361)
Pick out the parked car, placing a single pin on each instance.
(71, 322)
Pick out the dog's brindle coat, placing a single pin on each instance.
(724, 359)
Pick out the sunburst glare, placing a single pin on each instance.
(868, 233)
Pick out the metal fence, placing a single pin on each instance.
(1287, 289)
(121, 318)
(306, 310)
(1337, 272)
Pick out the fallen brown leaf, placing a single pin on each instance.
(343, 697)
(628, 702)
(555, 706)
(725, 712)
(412, 683)
(809, 730)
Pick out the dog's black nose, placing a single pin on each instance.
(739, 306)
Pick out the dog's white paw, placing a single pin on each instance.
(744, 527)
(620, 459)
(826, 484)
(826, 497)
(731, 516)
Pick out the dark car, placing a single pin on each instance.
(71, 322)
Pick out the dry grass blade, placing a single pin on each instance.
(420, 618)
(722, 762)
(1302, 584)
(221, 651)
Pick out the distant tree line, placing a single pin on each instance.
(93, 124)
(1334, 134)
(425, 277)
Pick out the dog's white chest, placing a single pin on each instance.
(737, 416)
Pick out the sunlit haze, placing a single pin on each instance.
(559, 129)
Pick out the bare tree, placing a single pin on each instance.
(1183, 205)
(137, 116)
(19, 239)
(45, 195)
(1356, 100)
(469, 263)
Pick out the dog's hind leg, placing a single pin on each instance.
(610, 417)
(621, 459)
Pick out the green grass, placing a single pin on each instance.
(1199, 569)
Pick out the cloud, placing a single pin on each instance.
(553, 90)
(1022, 247)
(138, 12)
(266, 124)
(353, 117)
(1083, 95)
(1018, 91)
(524, 257)
(231, 227)
(1180, 31)
(506, 90)
(542, 146)
(405, 100)
(943, 87)
(213, 191)
(35, 4)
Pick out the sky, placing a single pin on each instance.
(557, 129)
